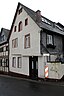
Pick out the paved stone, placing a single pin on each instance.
(10, 86)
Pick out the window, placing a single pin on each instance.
(0, 62)
(1, 49)
(15, 28)
(14, 62)
(48, 58)
(20, 26)
(26, 21)
(15, 43)
(19, 62)
(49, 39)
(7, 62)
(20, 11)
(27, 41)
(6, 48)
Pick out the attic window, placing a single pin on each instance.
(20, 10)
(26, 21)
(20, 26)
(15, 28)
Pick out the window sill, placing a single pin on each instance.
(19, 67)
(51, 46)
(26, 47)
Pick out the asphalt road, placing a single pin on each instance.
(18, 87)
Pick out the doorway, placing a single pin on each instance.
(33, 67)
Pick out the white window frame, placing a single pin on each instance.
(19, 62)
(13, 61)
(49, 39)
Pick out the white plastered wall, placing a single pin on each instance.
(41, 66)
(24, 66)
(34, 50)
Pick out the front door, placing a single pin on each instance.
(33, 67)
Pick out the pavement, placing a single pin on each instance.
(14, 86)
(54, 83)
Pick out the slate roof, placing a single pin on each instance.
(60, 25)
(42, 24)
(49, 27)
(5, 32)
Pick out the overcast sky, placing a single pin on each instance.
(51, 9)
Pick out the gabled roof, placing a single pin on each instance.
(4, 32)
(42, 24)
(30, 12)
(51, 28)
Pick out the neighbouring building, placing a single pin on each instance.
(33, 42)
(4, 48)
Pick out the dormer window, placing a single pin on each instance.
(26, 21)
(20, 26)
(20, 10)
(46, 21)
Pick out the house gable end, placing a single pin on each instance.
(30, 12)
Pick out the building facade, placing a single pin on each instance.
(4, 48)
(32, 36)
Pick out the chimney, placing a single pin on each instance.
(38, 16)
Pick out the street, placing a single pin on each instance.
(10, 86)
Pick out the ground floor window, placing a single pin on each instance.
(19, 62)
(0, 62)
(6, 62)
(48, 58)
(14, 62)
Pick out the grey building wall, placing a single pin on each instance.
(57, 42)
